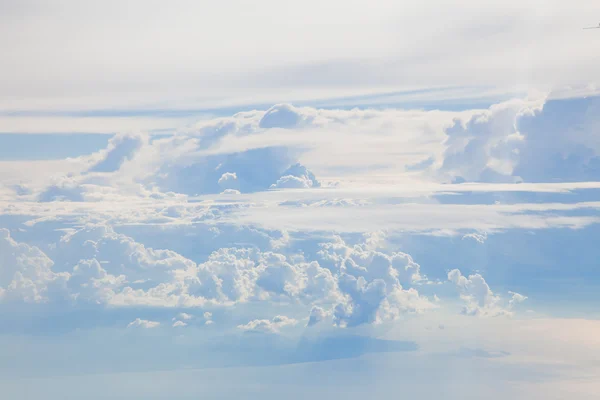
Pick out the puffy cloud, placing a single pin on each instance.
(268, 326)
(372, 283)
(228, 181)
(179, 324)
(255, 170)
(359, 260)
(143, 323)
(292, 182)
(296, 177)
(120, 148)
(241, 275)
(26, 272)
(317, 314)
(561, 141)
(479, 298)
(549, 141)
(90, 282)
(230, 192)
(186, 316)
(208, 318)
(281, 116)
(103, 267)
(478, 237)
(516, 299)
(65, 190)
(366, 299)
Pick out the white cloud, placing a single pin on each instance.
(90, 282)
(479, 298)
(179, 324)
(268, 326)
(281, 116)
(120, 148)
(317, 314)
(143, 323)
(516, 299)
(228, 181)
(26, 272)
(527, 141)
(185, 316)
(478, 237)
(364, 50)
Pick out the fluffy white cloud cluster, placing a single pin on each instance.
(317, 314)
(268, 326)
(518, 140)
(190, 163)
(372, 284)
(479, 298)
(228, 181)
(296, 177)
(143, 323)
(95, 265)
(120, 149)
(26, 272)
(532, 141)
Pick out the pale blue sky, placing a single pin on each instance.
(287, 200)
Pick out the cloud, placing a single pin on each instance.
(317, 314)
(268, 326)
(26, 272)
(551, 141)
(516, 299)
(143, 323)
(91, 282)
(186, 316)
(360, 57)
(179, 324)
(479, 238)
(281, 116)
(296, 177)
(208, 318)
(98, 267)
(120, 148)
(228, 181)
(63, 191)
(372, 283)
(479, 298)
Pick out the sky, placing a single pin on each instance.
(346, 199)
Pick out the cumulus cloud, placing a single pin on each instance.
(479, 298)
(179, 324)
(527, 141)
(228, 181)
(317, 314)
(516, 298)
(91, 282)
(65, 190)
(281, 116)
(372, 283)
(296, 177)
(186, 316)
(143, 323)
(98, 266)
(478, 237)
(120, 148)
(208, 318)
(26, 272)
(268, 326)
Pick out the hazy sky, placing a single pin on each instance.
(325, 199)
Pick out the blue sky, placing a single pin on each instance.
(326, 199)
